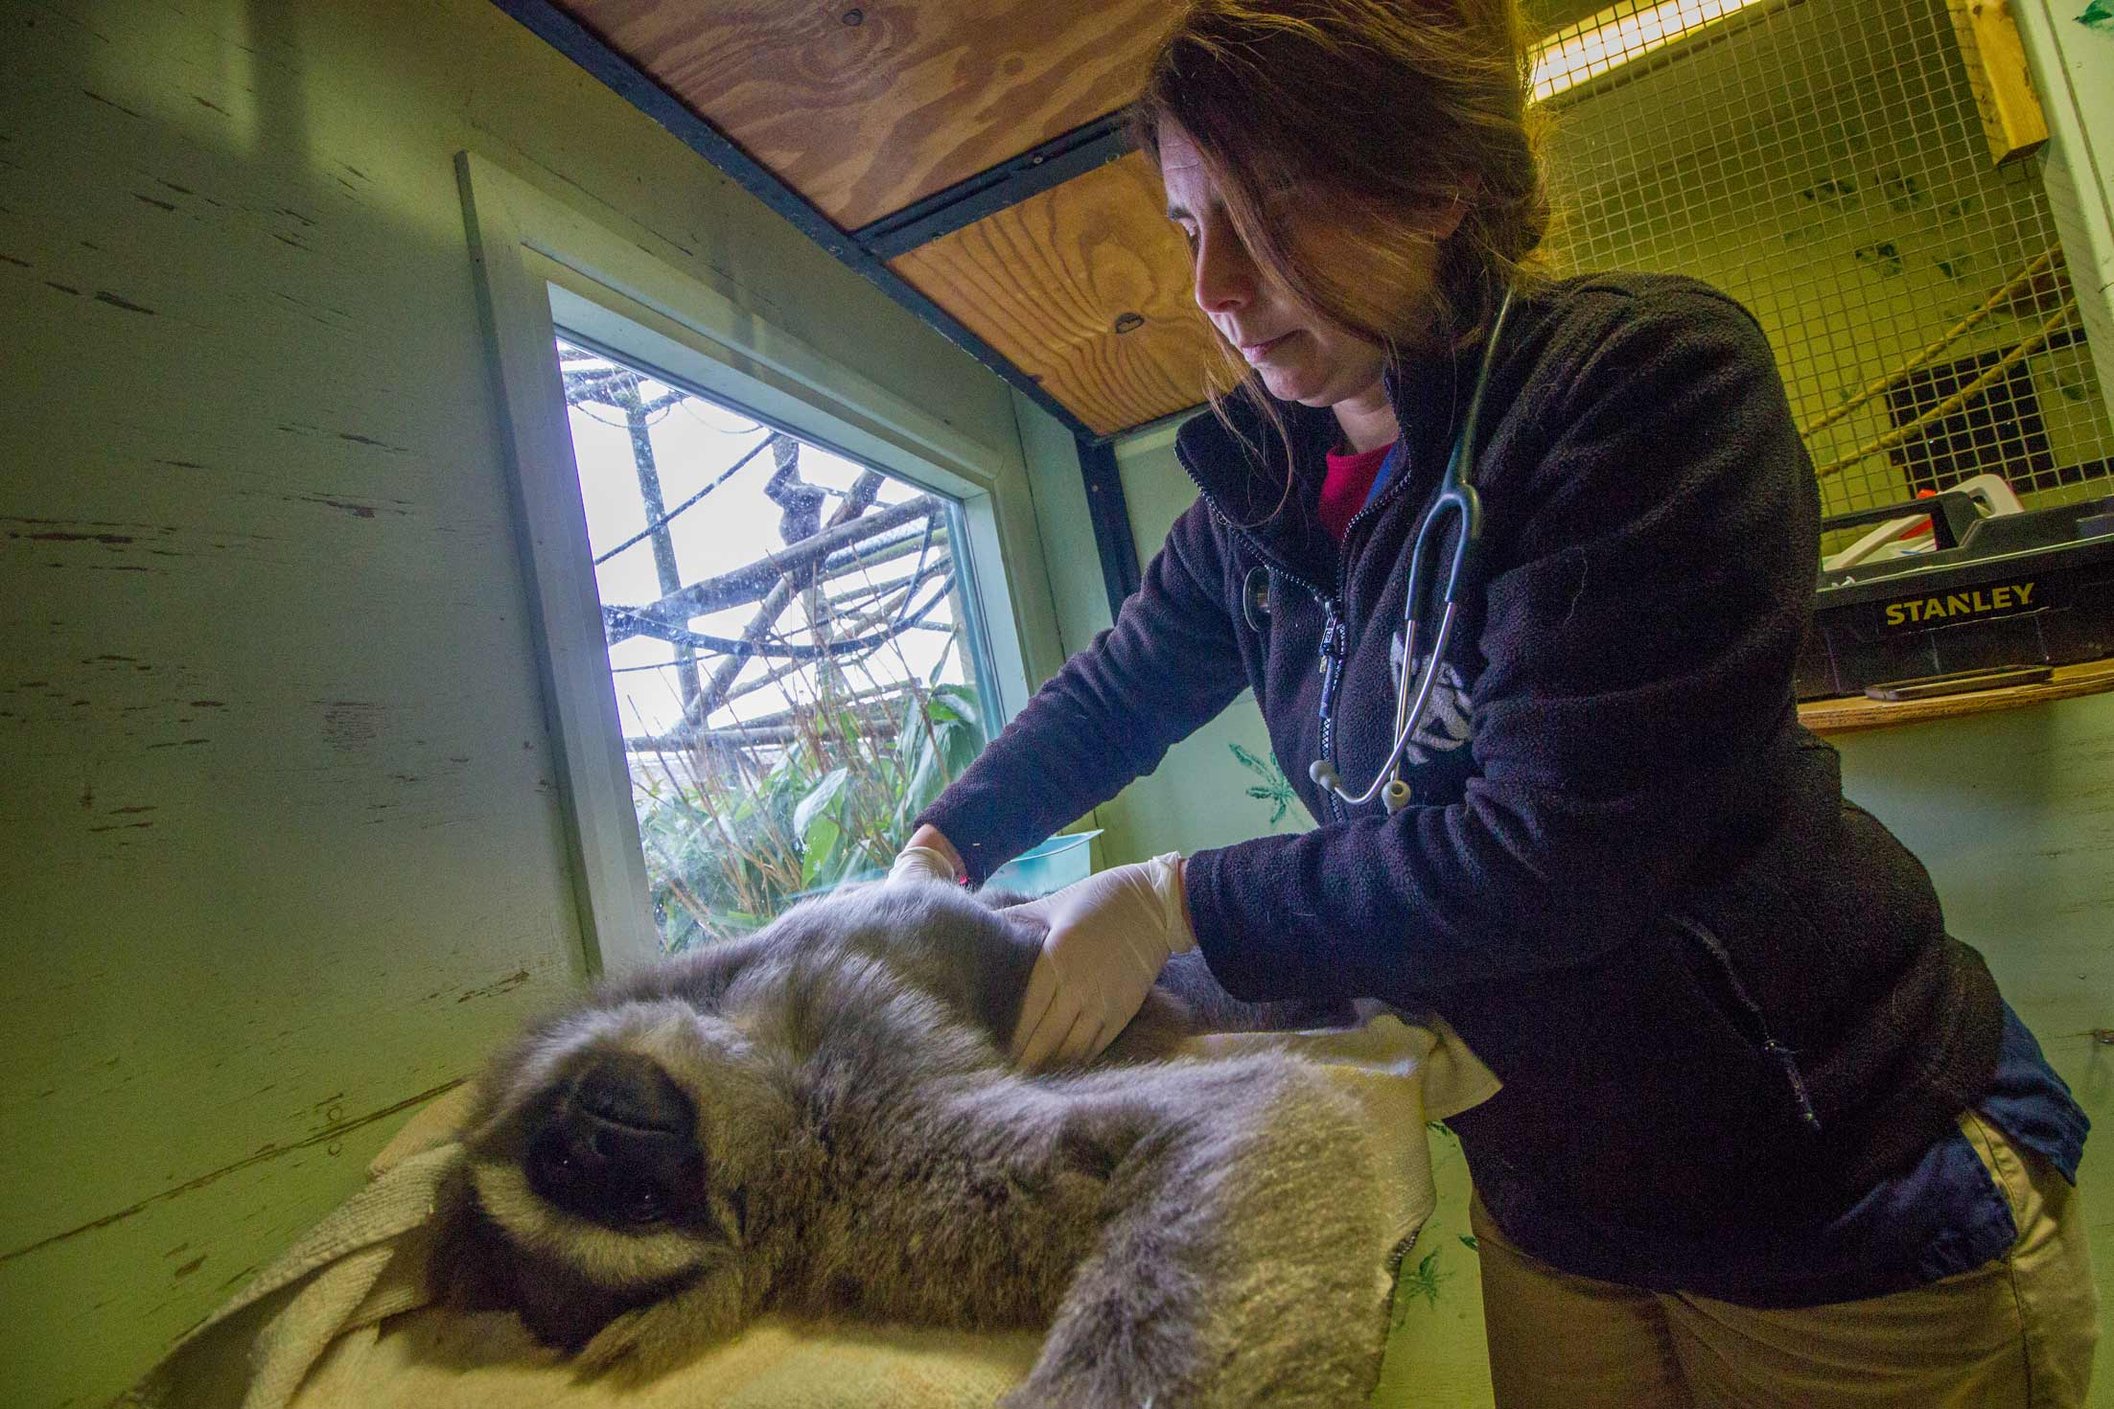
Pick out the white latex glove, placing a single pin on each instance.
(922, 863)
(1109, 937)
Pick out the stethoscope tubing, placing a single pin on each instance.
(1456, 496)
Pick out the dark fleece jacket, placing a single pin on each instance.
(1716, 992)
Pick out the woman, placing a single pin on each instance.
(1767, 1135)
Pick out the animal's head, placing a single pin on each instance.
(608, 1169)
(615, 1155)
(631, 1164)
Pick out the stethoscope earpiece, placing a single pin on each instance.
(1322, 774)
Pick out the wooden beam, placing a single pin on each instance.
(1996, 70)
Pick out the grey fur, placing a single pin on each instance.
(1191, 1233)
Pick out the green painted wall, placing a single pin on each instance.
(2014, 815)
(279, 844)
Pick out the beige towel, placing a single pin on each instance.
(340, 1321)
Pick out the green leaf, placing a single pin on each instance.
(820, 847)
(938, 740)
(818, 799)
(960, 700)
(1423, 1280)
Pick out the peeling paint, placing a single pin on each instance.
(269, 1152)
(358, 511)
(113, 103)
(351, 725)
(492, 990)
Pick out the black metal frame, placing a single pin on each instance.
(1034, 171)
(868, 249)
(1110, 514)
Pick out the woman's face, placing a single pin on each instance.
(1300, 354)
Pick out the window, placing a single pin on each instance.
(678, 325)
(794, 662)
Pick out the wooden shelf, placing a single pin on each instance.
(1854, 712)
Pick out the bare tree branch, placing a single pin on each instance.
(752, 581)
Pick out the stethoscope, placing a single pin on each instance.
(1455, 498)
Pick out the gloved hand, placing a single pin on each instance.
(1109, 937)
(928, 856)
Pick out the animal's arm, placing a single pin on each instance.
(654, 1339)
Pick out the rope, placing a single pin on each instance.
(1957, 331)
(1957, 399)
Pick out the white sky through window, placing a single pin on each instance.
(694, 441)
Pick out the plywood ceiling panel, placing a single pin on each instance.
(1086, 288)
(865, 106)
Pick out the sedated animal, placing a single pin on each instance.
(819, 1120)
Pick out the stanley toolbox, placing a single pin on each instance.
(2030, 588)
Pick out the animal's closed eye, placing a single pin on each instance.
(643, 1204)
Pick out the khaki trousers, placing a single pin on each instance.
(2015, 1333)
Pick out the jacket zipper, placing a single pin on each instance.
(1785, 1058)
(1335, 627)
(1338, 617)
(1331, 629)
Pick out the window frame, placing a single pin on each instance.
(542, 265)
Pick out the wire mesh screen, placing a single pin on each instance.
(1824, 162)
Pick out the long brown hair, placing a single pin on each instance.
(1381, 113)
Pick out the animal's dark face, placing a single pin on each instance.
(609, 1166)
(617, 1146)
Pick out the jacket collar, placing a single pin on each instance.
(1242, 470)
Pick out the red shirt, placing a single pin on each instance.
(1344, 488)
